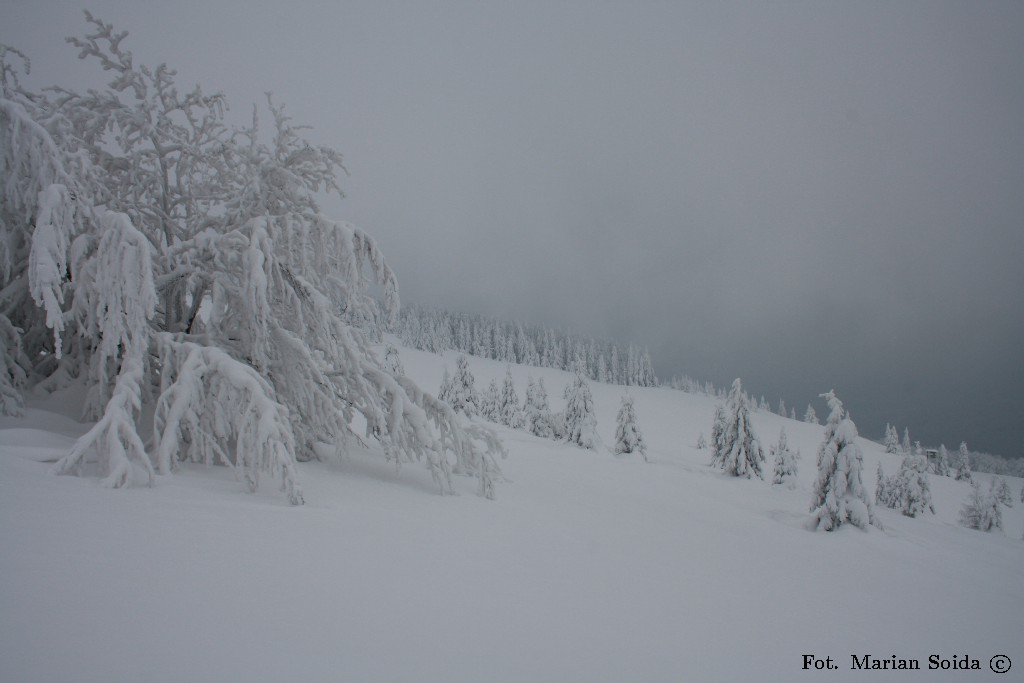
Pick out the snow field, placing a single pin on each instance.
(587, 567)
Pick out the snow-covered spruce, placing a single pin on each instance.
(981, 511)
(489, 402)
(1002, 491)
(785, 462)
(702, 443)
(737, 449)
(628, 437)
(539, 421)
(942, 463)
(839, 493)
(892, 439)
(883, 487)
(810, 416)
(909, 491)
(463, 397)
(963, 463)
(580, 422)
(718, 426)
(209, 285)
(510, 412)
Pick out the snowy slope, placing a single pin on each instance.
(587, 567)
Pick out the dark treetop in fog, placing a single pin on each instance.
(807, 195)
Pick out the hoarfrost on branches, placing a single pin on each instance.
(209, 285)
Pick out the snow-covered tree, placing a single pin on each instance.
(392, 363)
(184, 270)
(942, 463)
(905, 446)
(883, 488)
(740, 452)
(536, 410)
(628, 438)
(892, 439)
(580, 422)
(509, 410)
(464, 398)
(1001, 489)
(909, 491)
(963, 463)
(981, 511)
(785, 460)
(782, 408)
(702, 444)
(839, 493)
(810, 416)
(718, 427)
(490, 402)
(447, 389)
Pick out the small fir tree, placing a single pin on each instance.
(1002, 491)
(490, 402)
(447, 389)
(580, 422)
(839, 493)
(942, 464)
(464, 397)
(963, 463)
(508, 406)
(702, 444)
(740, 452)
(811, 416)
(910, 491)
(883, 488)
(892, 439)
(628, 438)
(906, 440)
(785, 462)
(718, 426)
(981, 511)
(538, 414)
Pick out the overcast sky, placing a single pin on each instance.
(807, 195)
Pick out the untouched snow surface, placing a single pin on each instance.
(587, 567)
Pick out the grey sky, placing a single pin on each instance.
(805, 194)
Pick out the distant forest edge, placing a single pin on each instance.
(436, 330)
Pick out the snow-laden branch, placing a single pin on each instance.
(215, 410)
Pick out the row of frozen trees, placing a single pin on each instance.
(577, 424)
(840, 496)
(183, 269)
(436, 330)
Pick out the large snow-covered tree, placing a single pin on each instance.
(839, 493)
(738, 450)
(171, 263)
